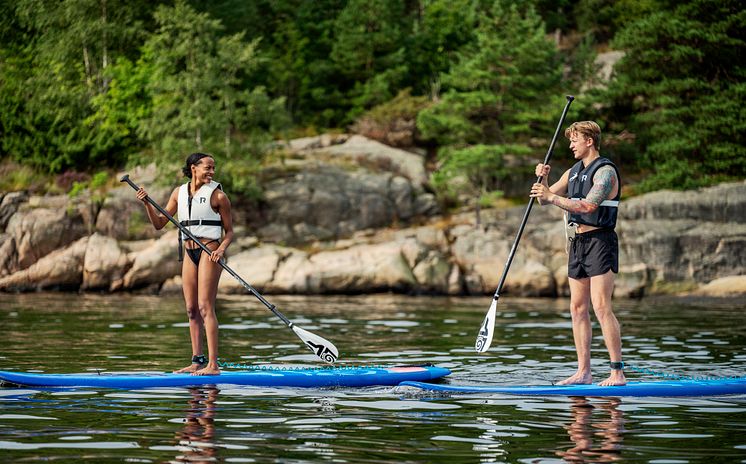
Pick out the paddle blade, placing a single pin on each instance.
(484, 339)
(321, 347)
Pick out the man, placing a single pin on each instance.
(589, 192)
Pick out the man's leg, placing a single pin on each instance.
(602, 287)
(581, 330)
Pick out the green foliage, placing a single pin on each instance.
(196, 99)
(119, 111)
(15, 177)
(476, 170)
(398, 114)
(368, 50)
(54, 73)
(96, 186)
(681, 84)
(92, 84)
(241, 177)
(603, 18)
(403, 106)
(498, 89)
(440, 30)
(496, 99)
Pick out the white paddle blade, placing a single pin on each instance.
(484, 339)
(321, 347)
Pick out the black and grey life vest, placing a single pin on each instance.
(580, 183)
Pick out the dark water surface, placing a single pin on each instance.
(59, 333)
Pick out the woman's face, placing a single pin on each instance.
(204, 170)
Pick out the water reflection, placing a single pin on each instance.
(196, 441)
(361, 425)
(596, 437)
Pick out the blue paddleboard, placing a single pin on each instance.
(725, 386)
(261, 376)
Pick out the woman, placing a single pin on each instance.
(204, 209)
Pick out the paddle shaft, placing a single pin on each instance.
(185, 231)
(530, 205)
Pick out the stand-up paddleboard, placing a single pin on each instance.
(725, 386)
(264, 376)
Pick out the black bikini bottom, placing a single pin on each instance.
(196, 253)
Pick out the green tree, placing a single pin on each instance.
(368, 51)
(496, 99)
(476, 171)
(500, 87)
(53, 69)
(440, 28)
(195, 86)
(681, 85)
(119, 111)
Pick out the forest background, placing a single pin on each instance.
(89, 87)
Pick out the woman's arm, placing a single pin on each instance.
(157, 219)
(222, 205)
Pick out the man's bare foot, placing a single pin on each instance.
(578, 379)
(210, 369)
(616, 379)
(190, 369)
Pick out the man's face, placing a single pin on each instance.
(580, 145)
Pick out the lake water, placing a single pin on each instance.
(57, 333)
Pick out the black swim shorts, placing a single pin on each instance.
(593, 253)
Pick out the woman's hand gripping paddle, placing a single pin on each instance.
(321, 347)
(486, 332)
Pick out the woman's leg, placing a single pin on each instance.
(207, 290)
(196, 323)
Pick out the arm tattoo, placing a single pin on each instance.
(603, 184)
(574, 206)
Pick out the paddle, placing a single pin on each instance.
(484, 339)
(321, 347)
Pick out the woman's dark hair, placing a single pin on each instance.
(194, 158)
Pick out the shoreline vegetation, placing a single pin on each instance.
(345, 214)
(369, 146)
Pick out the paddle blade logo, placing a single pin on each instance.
(323, 352)
(484, 339)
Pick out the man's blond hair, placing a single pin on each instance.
(588, 129)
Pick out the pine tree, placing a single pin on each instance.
(682, 83)
(496, 98)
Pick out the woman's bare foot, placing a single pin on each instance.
(210, 369)
(616, 379)
(580, 378)
(190, 369)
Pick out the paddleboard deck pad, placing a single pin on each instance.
(725, 386)
(261, 376)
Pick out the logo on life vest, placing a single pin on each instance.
(574, 176)
(584, 178)
(202, 199)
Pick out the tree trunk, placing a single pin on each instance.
(478, 211)
(104, 47)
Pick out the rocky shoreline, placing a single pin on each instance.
(350, 215)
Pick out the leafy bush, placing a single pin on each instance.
(15, 177)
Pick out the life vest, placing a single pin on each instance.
(579, 184)
(196, 214)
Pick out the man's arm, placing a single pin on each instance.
(605, 186)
